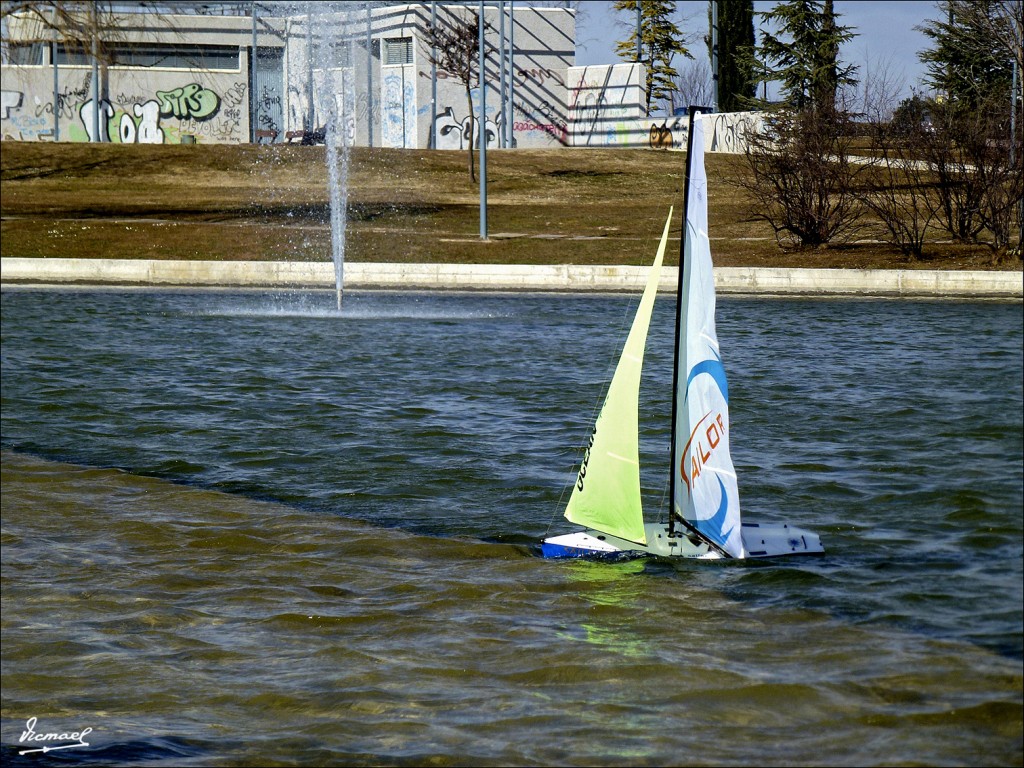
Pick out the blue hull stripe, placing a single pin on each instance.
(558, 550)
(561, 551)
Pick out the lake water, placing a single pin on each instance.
(240, 528)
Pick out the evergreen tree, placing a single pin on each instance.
(968, 64)
(660, 41)
(804, 55)
(737, 81)
(826, 80)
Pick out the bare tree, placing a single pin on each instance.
(899, 188)
(693, 85)
(453, 46)
(803, 178)
(77, 26)
(981, 174)
(952, 171)
(1003, 25)
(880, 89)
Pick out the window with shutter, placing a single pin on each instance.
(397, 51)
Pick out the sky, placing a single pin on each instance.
(886, 37)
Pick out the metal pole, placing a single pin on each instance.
(253, 100)
(433, 76)
(56, 77)
(369, 79)
(680, 309)
(56, 87)
(483, 132)
(714, 55)
(501, 72)
(309, 127)
(95, 77)
(511, 73)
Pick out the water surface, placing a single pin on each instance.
(244, 528)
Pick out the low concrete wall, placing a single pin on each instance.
(509, 277)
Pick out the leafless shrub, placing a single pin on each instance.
(693, 85)
(803, 177)
(979, 179)
(940, 165)
(897, 188)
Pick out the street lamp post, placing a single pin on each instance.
(483, 130)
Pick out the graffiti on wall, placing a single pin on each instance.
(398, 111)
(661, 136)
(604, 107)
(9, 100)
(128, 118)
(269, 108)
(190, 101)
(605, 110)
(35, 121)
(539, 74)
(545, 119)
(341, 112)
(19, 121)
(728, 131)
(453, 133)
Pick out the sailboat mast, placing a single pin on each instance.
(679, 319)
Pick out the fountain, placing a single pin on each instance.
(321, 99)
(337, 177)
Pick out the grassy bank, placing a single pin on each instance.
(240, 202)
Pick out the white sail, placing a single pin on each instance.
(705, 494)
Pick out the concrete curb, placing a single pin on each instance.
(509, 277)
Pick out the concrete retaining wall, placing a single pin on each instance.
(509, 277)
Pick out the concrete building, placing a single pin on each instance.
(283, 71)
(303, 71)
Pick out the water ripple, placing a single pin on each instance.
(283, 535)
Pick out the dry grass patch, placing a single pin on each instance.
(221, 202)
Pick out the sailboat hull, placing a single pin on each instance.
(759, 540)
(776, 539)
(596, 545)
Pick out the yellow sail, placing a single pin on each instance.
(606, 496)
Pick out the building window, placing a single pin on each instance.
(163, 56)
(397, 51)
(26, 54)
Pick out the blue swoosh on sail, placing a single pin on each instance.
(712, 526)
(713, 368)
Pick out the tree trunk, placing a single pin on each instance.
(472, 123)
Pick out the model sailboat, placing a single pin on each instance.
(704, 520)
